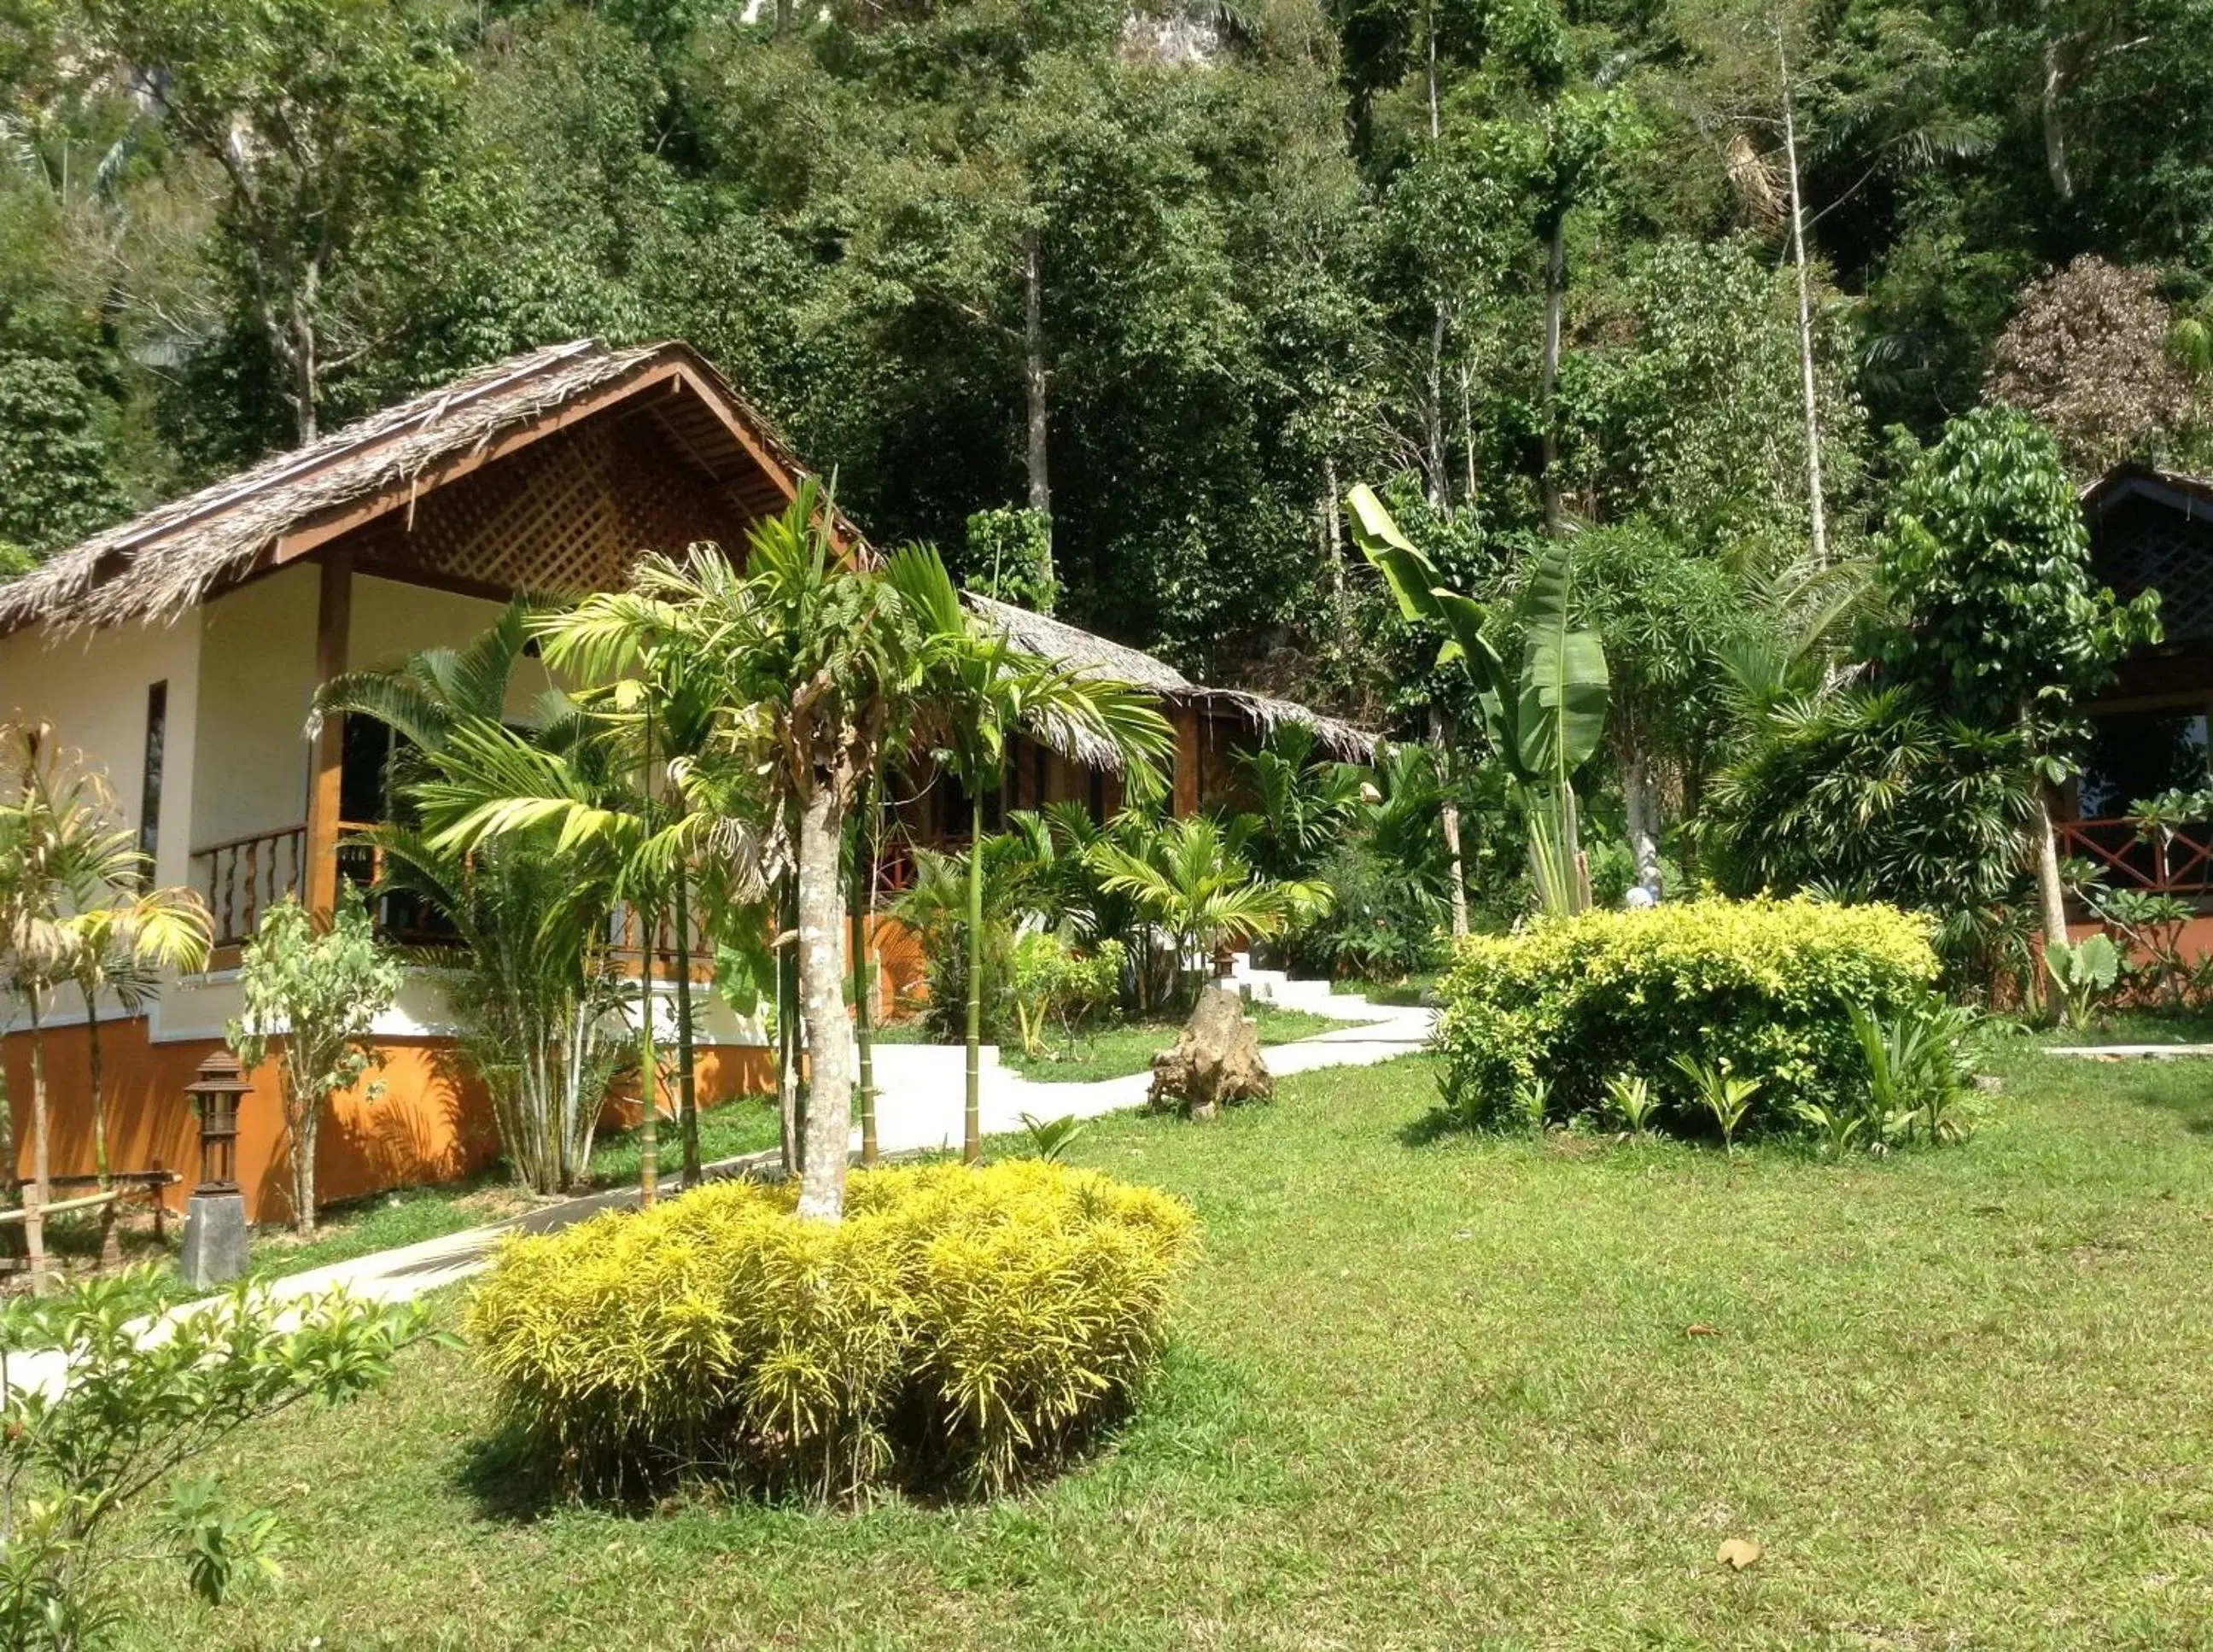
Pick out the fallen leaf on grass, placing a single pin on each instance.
(1700, 1330)
(1736, 1553)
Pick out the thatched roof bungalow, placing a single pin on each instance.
(179, 651)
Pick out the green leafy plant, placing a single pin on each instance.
(77, 1462)
(76, 906)
(960, 1328)
(1916, 1076)
(1766, 986)
(1053, 982)
(1192, 879)
(1837, 1124)
(1727, 1096)
(1545, 719)
(1049, 1139)
(312, 991)
(2083, 973)
(1534, 1100)
(530, 984)
(1634, 1102)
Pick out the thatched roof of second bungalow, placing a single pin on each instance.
(1088, 654)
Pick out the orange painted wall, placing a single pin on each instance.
(2195, 941)
(901, 974)
(432, 1123)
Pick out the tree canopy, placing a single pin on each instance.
(1170, 279)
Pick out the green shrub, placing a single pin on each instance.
(960, 1328)
(1763, 989)
(1053, 982)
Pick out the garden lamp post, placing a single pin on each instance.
(214, 1215)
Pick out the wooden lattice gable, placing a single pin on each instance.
(2153, 530)
(568, 515)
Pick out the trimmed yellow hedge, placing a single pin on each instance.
(1765, 986)
(961, 1327)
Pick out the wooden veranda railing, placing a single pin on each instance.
(2171, 861)
(242, 878)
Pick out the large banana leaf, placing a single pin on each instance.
(1423, 594)
(1565, 687)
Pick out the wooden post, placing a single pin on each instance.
(333, 619)
(1186, 761)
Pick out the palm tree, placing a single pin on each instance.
(793, 663)
(529, 978)
(1192, 880)
(975, 692)
(71, 884)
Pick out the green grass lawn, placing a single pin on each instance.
(1448, 1393)
(1131, 1046)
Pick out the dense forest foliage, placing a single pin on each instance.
(1170, 279)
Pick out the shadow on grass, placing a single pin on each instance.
(1434, 1126)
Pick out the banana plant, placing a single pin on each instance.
(1544, 719)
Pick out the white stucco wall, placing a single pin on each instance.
(257, 679)
(92, 687)
(392, 620)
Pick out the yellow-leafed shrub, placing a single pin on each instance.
(1763, 989)
(959, 1327)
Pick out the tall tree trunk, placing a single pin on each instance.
(1448, 820)
(971, 1109)
(687, 1078)
(1333, 529)
(864, 993)
(829, 1124)
(42, 1192)
(306, 367)
(1816, 494)
(1642, 806)
(1555, 299)
(2050, 895)
(649, 1076)
(1440, 488)
(1034, 377)
(786, 1021)
(111, 1241)
(7, 1125)
(2054, 83)
(1467, 426)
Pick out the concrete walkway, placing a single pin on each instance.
(911, 1117)
(2130, 1051)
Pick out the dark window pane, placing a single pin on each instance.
(2136, 755)
(150, 786)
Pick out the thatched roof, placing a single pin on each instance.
(156, 565)
(1091, 656)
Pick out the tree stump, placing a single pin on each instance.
(1215, 1059)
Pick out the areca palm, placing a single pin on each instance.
(1192, 880)
(803, 655)
(529, 982)
(973, 692)
(74, 903)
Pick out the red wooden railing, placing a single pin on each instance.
(2172, 860)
